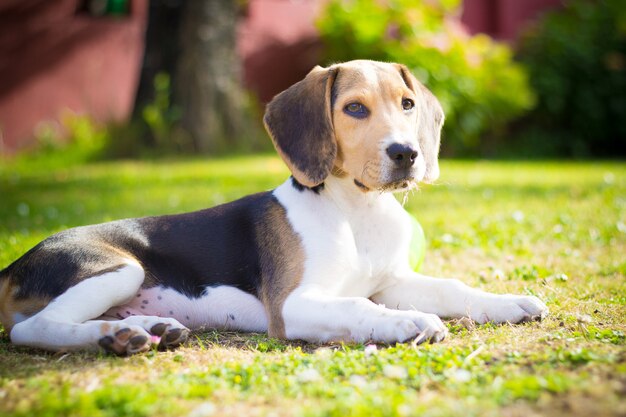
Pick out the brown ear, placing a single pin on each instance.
(299, 121)
(430, 120)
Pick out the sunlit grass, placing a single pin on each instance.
(556, 230)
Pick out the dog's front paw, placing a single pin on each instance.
(431, 328)
(508, 308)
(407, 325)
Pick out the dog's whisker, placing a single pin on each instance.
(405, 197)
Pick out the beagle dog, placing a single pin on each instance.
(323, 257)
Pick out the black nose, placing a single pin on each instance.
(404, 156)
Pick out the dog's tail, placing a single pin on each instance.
(6, 297)
(15, 308)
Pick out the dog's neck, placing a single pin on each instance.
(349, 196)
(347, 193)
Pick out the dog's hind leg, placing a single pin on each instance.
(66, 322)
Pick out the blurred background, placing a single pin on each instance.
(136, 78)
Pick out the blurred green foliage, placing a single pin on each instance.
(479, 85)
(577, 61)
(76, 136)
(159, 115)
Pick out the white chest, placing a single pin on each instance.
(352, 241)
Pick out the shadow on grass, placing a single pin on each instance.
(24, 362)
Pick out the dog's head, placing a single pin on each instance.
(369, 120)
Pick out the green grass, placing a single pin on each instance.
(556, 230)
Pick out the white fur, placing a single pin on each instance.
(356, 248)
(220, 307)
(65, 323)
(347, 235)
(369, 74)
(452, 298)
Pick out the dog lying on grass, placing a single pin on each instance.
(323, 257)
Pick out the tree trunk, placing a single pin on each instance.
(207, 84)
(161, 54)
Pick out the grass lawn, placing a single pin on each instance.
(556, 230)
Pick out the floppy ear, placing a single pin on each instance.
(430, 120)
(299, 121)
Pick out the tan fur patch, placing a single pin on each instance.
(105, 328)
(282, 265)
(9, 306)
(381, 90)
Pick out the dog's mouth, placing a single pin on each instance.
(399, 184)
(390, 180)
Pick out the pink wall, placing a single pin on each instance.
(503, 19)
(278, 43)
(53, 57)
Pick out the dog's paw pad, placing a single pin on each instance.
(106, 343)
(126, 341)
(138, 343)
(123, 335)
(169, 335)
(174, 337)
(159, 329)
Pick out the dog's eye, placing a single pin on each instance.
(407, 104)
(356, 110)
